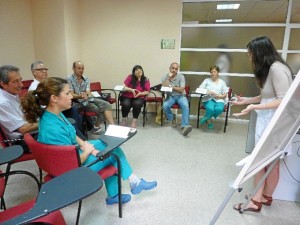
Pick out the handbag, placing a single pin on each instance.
(105, 96)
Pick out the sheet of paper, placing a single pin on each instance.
(166, 89)
(117, 131)
(201, 91)
(119, 87)
(195, 95)
(95, 94)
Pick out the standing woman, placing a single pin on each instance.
(137, 86)
(274, 78)
(214, 101)
(55, 129)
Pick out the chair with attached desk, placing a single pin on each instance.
(56, 160)
(153, 98)
(96, 86)
(226, 109)
(5, 142)
(143, 110)
(45, 211)
(9, 154)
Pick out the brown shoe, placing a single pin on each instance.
(238, 207)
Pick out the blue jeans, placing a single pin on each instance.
(182, 101)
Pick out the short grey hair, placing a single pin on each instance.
(5, 70)
(34, 64)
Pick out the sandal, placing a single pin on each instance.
(238, 207)
(268, 198)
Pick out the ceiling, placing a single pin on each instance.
(250, 11)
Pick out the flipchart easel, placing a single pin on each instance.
(271, 146)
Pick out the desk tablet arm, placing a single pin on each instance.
(111, 144)
(66, 189)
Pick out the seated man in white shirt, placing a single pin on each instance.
(11, 116)
(40, 73)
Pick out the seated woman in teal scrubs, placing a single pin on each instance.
(55, 129)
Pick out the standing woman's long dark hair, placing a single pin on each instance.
(263, 54)
(31, 103)
(134, 79)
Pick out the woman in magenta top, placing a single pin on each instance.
(137, 86)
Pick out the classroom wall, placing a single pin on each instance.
(116, 35)
(16, 34)
(110, 37)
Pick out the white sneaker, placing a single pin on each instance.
(97, 130)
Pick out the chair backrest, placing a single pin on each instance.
(53, 159)
(229, 94)
(187, 91)
(3, 144)
(26, 83)
(95, 86)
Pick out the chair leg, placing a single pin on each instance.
(226, 118)
(161, 115)
(3, 206)
(41, 176)
(119, 184)
(78, 212)
(198, 114)
(144, 114)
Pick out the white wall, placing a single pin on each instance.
(110, 37)
(116, 35)
(16, 35)
(49, 35)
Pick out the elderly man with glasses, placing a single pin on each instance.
(40, 73)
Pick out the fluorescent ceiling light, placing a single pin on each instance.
(224, 21)
(227, 6)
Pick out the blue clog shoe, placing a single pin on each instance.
(114, 200)
(142, 185)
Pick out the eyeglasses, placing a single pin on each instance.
(42, 69)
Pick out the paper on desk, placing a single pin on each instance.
(166, 89)
(119, 87)
(201, 91)
(117, 131)
(95, 94)
(196, 95)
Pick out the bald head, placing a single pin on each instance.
(78, 68)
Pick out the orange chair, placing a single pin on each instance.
(226, 109)
(55, 218)
(5, 142)
(56, 160)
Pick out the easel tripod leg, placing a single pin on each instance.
(222, 206)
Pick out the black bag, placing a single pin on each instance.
(105, 96)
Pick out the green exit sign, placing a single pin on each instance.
(167, 44)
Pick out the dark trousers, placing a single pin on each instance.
(73, 113)
(135, 103)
